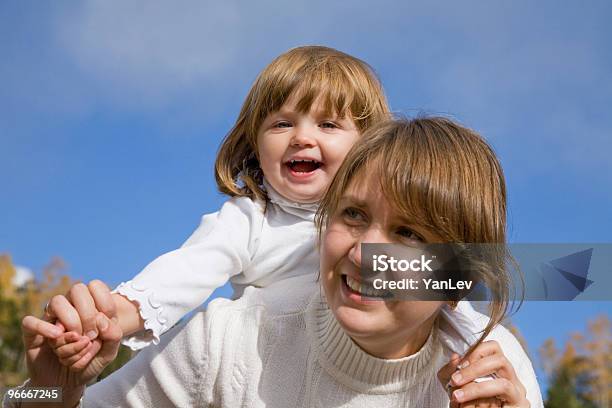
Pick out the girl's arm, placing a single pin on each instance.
(128, 315)
(179, 281)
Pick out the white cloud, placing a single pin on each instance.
(22, 275)
(148, 51)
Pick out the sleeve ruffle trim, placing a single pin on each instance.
(151, 312)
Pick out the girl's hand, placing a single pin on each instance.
(71, 347)
(505, 390)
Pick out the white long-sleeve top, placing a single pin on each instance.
(246, 242)
(281, 346)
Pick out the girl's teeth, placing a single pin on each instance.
(304, 166)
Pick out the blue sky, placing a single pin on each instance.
(111, 113)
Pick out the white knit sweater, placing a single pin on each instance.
(282, 347)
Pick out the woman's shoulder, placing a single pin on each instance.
(508, 341)
(516, 353)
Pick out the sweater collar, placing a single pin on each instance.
(302, 210)
(349, 364)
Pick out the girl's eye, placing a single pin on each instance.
(329, 125)
(282, 124)
(352, 215)
(407, 233)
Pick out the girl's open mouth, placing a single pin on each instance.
(303, 166)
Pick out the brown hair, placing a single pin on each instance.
(446, 179)
(346, 84)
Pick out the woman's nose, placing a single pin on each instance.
(369, 236)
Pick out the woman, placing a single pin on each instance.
(288, 345)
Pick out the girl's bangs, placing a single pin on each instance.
(339, 91)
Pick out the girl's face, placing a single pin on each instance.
(391, 329)
(300, 153)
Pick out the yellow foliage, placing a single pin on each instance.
(17, 302)
(586, 356)
(7, 274)
(30, 299)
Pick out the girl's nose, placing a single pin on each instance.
(302, 137)
(370, 236)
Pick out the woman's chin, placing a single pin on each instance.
(358, 323)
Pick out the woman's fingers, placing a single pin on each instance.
(488, 358)
(483, 403)
(85, 305)
(496, 364)
(110, 335)
(484, 349)
(485, 374)
(61, 309)
(500, 388)
(103, 299)
(36, 330)
(444, 374)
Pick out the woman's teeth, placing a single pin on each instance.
(362, 289)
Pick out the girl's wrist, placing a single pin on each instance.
(128, 315)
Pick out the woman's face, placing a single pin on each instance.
(385, 329)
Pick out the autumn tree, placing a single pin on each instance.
(30, 299)
(580, 376)
(596, 344)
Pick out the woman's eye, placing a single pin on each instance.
(407, 233)
(352, 214)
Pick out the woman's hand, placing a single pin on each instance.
(44, 366)
(503, 390)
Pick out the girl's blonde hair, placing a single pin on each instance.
(446, 180)
(345, 84)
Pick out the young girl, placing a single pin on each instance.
(301, 116)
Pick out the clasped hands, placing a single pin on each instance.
(76, 338)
